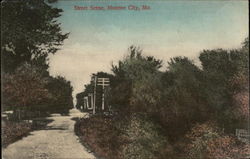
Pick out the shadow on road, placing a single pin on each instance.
(41, 123)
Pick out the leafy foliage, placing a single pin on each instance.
(137, 78)
(182, 99)
(61, 91)
(143, 139)
(27, 89)
(206, 141)
(24, 87)
(103, 137)
(222, 69)
(12, 131)
(30, 32)
(155, 109)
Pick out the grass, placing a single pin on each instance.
(99, 135)
(13, 131)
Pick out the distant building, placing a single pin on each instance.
(95, 96)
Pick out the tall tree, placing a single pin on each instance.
(136, 81)
(223, 69)
(61, 91)
(182, 101)
(30, 31)
(24, 88)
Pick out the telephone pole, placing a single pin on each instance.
(94, 101)
(103, 82)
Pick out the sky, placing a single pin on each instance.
(169, 28)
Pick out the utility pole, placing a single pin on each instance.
(103, 82)
(94, 102)
(91, 100)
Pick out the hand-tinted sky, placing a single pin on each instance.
(169, 28)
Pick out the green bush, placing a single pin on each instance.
(100, 135)
(134, 137)
(144, 139)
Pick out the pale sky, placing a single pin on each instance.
(168, 29)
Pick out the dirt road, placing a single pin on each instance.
(57, 141)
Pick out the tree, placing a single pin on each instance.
(28, 90)
(240, 85)
(219, 67)
(182, 100)
(136, 82)
(222, 70)
(24, 89)
(79, 100)
(30, 32)
(61, 91)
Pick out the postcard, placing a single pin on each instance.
(125, 79)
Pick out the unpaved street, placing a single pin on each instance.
(57, 141)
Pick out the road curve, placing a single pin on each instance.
(57, 141)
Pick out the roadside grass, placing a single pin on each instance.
(99, 135)
(13, 131)
(122, 138)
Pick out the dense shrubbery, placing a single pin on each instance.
(101, 135)
(61, 95)
(207, 141)
(23, 88)
(133, 137)
(144, 139)
(12, 131)
(27, 90)
(136, 83)
(181, 104)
